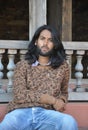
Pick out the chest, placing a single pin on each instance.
(41, 78)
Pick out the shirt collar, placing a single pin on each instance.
(36, 63)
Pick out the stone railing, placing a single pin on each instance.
(79, 49)
(11, 51)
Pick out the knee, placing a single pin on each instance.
(6, 123)
(69, 122)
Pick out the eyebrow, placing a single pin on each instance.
(44, 36)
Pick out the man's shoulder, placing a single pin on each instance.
(22, 63)
(64, 65)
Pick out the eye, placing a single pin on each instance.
(51, 40)
(42, 38)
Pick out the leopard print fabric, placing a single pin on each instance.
(31, 81)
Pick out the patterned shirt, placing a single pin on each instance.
(30, 81)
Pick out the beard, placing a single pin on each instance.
(42, 53)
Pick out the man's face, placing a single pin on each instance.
(44, 43)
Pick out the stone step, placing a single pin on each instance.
(79, 110)
(2, 111)
(83, 128)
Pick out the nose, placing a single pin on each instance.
(45, 42)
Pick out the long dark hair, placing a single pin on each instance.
(58, 55)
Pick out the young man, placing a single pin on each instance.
(40, 87)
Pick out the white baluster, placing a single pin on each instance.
(1, 75)
(10, 67)
(79, 69)
(1, 68)
(87, 66)
(22, 54)
(69, 58)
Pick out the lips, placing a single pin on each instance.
(44, 48)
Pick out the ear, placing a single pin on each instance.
(36, 42)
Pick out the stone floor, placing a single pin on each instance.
(82, 128)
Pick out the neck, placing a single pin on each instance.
(43, 60)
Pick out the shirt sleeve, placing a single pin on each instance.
(21, 93)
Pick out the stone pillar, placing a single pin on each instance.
(67, 20)
(37, 15)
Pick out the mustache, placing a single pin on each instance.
(44, 47)
(39, 51)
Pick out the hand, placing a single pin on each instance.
(59, 105)
(47, 99)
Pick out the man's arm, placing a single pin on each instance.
(58, 103)
(21, 93)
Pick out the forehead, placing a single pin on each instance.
(46, 33)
